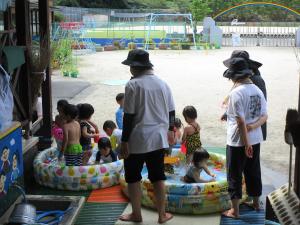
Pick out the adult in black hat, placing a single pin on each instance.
(256, 77)
(246, 107)
(148, 123)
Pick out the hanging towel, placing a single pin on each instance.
(6, 100)
(14, 57)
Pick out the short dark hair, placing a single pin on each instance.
(109, 124)
(177, 123)
(200, 154)
(103, 143)
(190, 112)
(62, 103)
(85, 111)
(120, 96)
(70, 110)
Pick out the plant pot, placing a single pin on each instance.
(163, 47)
(109, 48)
(185, 47)
(65, 73)
(131, 45)
(74, 74)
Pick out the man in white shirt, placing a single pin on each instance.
(148, 122)
(246, 112)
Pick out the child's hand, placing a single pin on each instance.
(250, 127)
(213, 175)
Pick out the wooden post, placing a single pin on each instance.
(297, 160)
(24, 39)
(44, 22)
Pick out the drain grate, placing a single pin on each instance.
(285, 207)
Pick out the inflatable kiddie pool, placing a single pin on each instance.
(196, 198)
(51, 173)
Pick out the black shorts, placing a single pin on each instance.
(154, 160)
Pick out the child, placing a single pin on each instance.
(191, 133)
(115, 135)
(199, 163)
(60, 106)
(71, 147)
(57, 131)
(119, 112)
(177, 130)
(88, 130)
(105, 153)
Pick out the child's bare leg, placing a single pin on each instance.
(159, 191)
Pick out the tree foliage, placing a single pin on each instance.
(200, 8)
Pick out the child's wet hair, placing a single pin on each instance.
(109, 124)
(62, 103)
(189, 112)
(85, 111)
(71, 110)
(120, 96)
(103, 143)
(200, 154)
(177, 123)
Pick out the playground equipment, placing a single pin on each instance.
(195, 198)
(181, 32)
(48, 171)
(76, 32)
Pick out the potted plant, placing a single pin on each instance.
(185, 45)
(117, 44)
(174, 45)
(151, 44)
(131, 45)
(162, 45)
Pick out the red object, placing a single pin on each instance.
(183, 148)
(108, 195)
(96, 139)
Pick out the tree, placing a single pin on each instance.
(200, 9)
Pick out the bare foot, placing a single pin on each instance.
(252, 205)
(165, 218)
(230, 214)
(131, 218)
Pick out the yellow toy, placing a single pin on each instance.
(171, 160)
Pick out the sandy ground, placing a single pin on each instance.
(195, 78)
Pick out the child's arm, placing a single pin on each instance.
(65, 139)
(85, 134)
(95, 126)
(185, 131)
(258, 123)
(208, 172)
(198, 179)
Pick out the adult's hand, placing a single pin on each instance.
(249, 151)
(124, 150)
(224, 117)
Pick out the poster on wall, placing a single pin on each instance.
(11, 167)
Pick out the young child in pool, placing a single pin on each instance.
(105, 153)
(115, 135)
(88, 130)
(191, 133)
(71, 147)
(177, 130)
(199, 163)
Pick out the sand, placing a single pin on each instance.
(195, 78)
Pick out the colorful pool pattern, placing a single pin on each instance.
(51, 173)
(196, 198)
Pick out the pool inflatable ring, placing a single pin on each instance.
(196, 198)
(48, 172)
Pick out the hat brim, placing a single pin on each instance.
(252, 64)
(136, 64)
(231, 74)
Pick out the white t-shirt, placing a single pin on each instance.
(246, 101)
(150, 100)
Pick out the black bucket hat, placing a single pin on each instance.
(245, 55)
(138, 58)
(238, 69)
